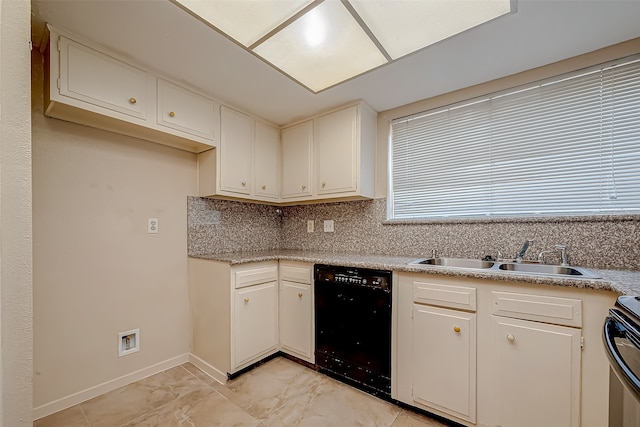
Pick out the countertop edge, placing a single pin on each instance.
(620, 281)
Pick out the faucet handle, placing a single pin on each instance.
(563, 254)
(434, 253)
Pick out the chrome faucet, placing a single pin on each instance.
(557, 248)
(523, 250)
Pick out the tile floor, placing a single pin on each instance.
(277, 393)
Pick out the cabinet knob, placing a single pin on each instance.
(172, 114)
(299, 294)
(511, 337)
(456, 329)
(132, 100)
(246, 300)
(323, 184)
(244, 183)
(264, 187)
(304, 186)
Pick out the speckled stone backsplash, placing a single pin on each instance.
(217, 226)
(360, 227)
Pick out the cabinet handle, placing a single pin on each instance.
(246, 300)
(299, 294)
(511, 337)
(132, 100)
(304, 186)
(172, 114)
(456, 329)
(264, 187)
(244, 183)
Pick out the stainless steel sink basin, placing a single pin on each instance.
(520, 267)
(455, 262)
(546, 269)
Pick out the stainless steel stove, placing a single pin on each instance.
(622, 343)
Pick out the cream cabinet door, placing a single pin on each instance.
(236, 151)
(536, 369)
(336, 142)
(297, 144)
(295, 319)
(266, 160)
(93, 77)
(183, 110)
(255, 323)
(444, 360)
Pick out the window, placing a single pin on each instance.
(561, 147)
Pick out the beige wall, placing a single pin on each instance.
(15, 216)
(620, 50)
(96, 270)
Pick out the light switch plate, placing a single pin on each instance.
(328, 226)
(310, 226)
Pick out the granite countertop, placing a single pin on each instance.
(620, 281)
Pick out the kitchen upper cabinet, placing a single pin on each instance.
(184, 110)
(266, 161)
(89, 76)
(236, 151)
(88, 84)
(297, 150)
(246, 165)
(345, 142)
(234, 314)
(297, 336)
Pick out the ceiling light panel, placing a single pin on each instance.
(245, 21)
(405, 26)
(322, 48)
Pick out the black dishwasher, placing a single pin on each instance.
(353, 326)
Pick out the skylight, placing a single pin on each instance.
(322, 43)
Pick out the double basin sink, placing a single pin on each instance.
(514, 267)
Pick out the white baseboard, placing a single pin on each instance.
(214, 373)
(91, 392)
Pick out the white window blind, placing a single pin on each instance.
(566, 146)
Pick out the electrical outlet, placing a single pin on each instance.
(152, 225)
(328, 226)
(310, 226)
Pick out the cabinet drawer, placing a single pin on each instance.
(451, 296)
(255, 276)
(93, 77)
(298, 274)
(186, 111)
(559, 311)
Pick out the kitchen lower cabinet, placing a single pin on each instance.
(234, 314)
(255, 323)
(537, 365)
(444, 360)
(437, 346)
(489, 353)
(296, 310)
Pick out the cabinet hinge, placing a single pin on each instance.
(412, 391)
(581, 343)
